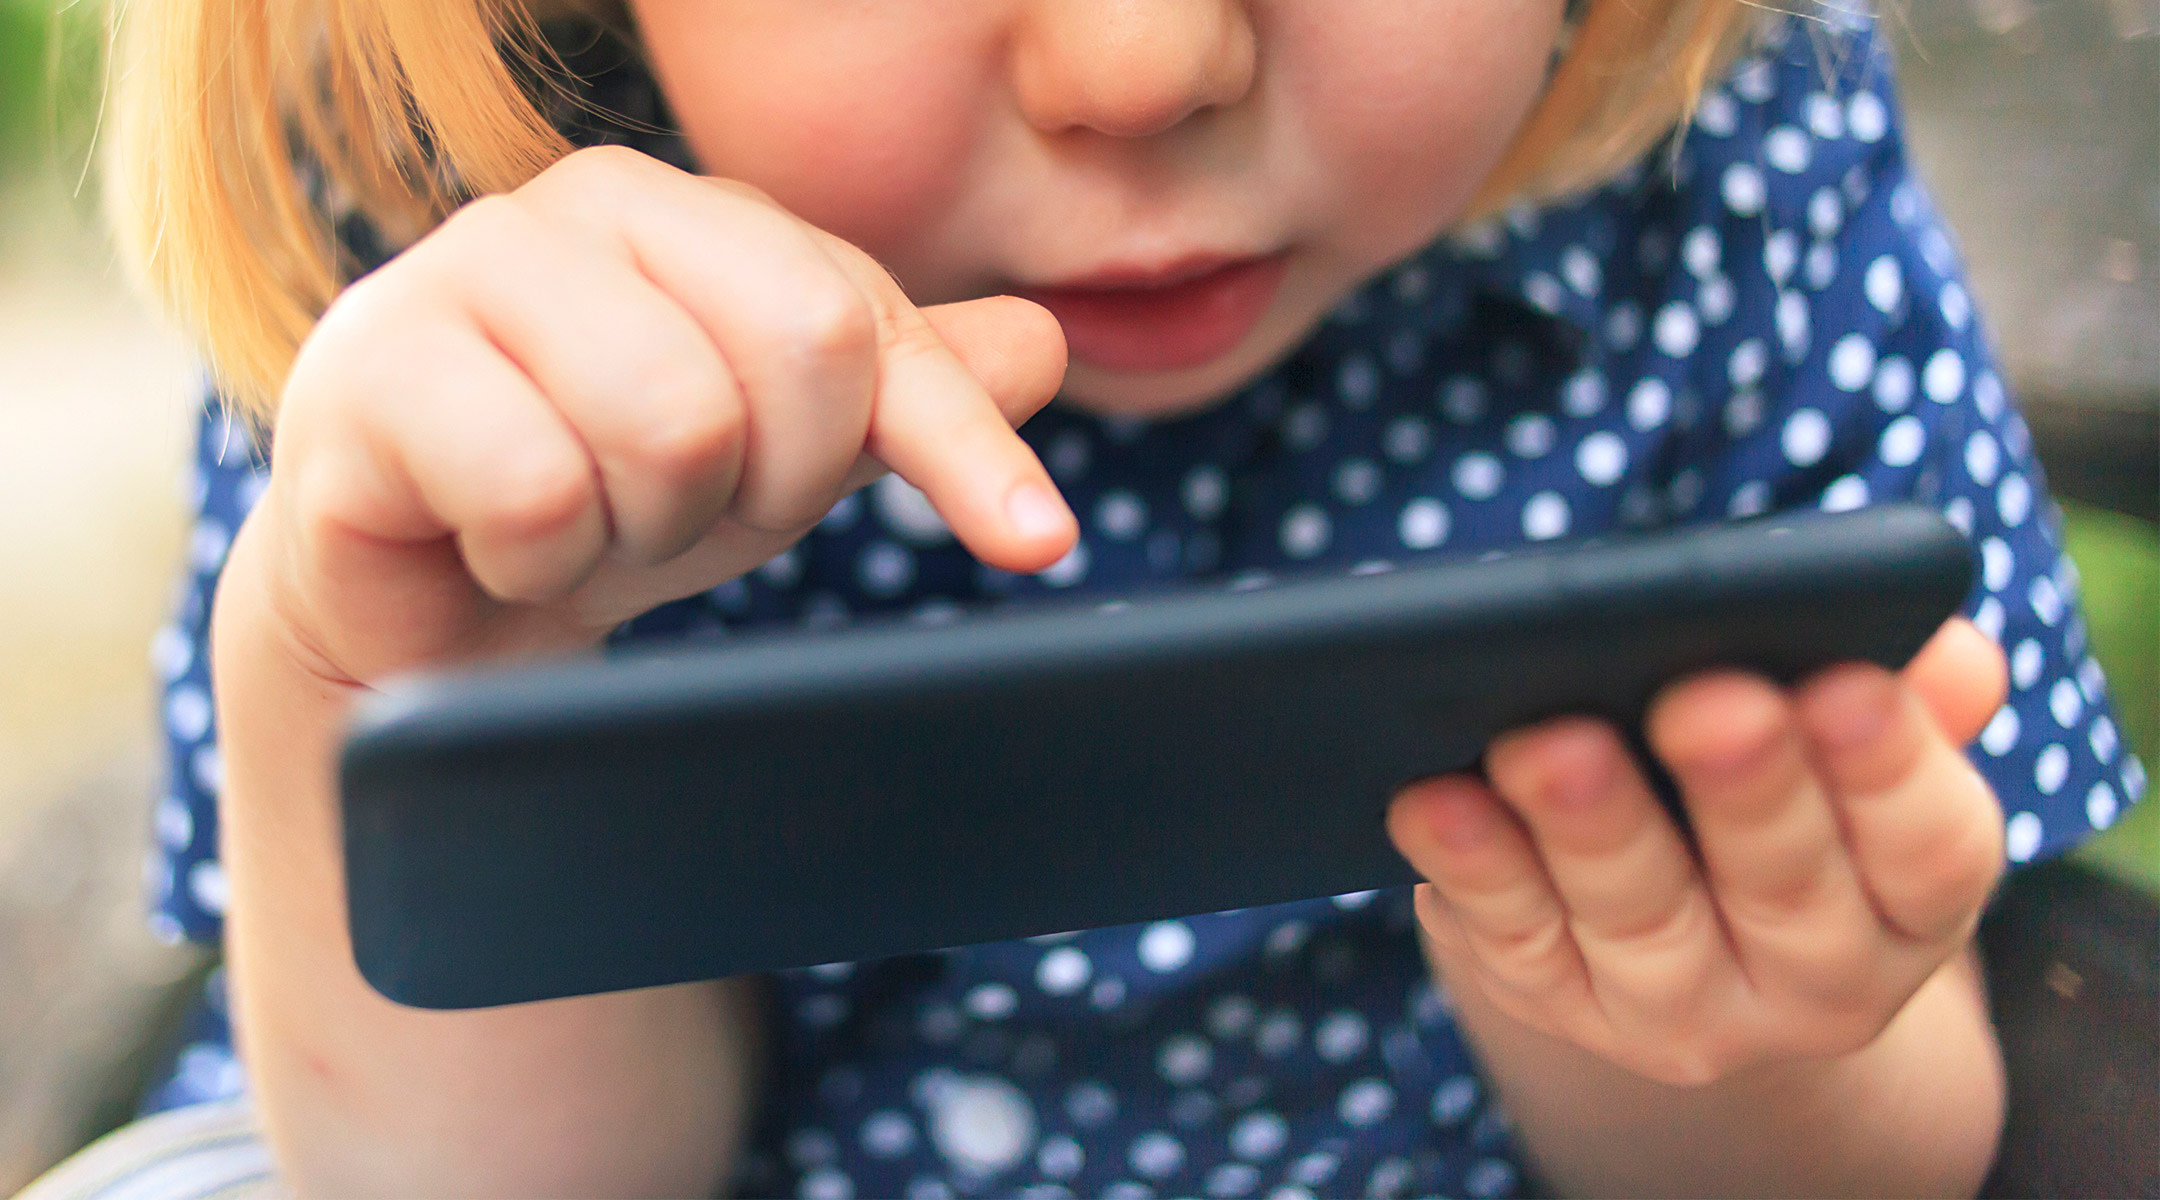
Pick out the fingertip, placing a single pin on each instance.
(1043, 526)
(1453, 811)
(1715, 722)
(1962, 677)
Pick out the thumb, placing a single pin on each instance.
(1961, 676)
(1013, 346)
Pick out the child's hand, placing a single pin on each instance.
(1845, 850)
(619, 385)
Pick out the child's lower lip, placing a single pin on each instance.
(1165, 328)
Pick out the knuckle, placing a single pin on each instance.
(592, 166)
(833, 323)
(537, 494)
(696, 427)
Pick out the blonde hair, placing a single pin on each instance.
(405, 109)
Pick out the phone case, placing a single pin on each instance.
(787, 800)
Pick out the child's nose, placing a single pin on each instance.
(1129, 68)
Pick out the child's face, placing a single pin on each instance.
(977, 147)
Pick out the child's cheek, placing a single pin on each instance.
(860, 136)
(1407, 106)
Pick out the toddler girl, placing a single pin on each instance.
(1311, 284)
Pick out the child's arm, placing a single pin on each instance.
(1792, 1008)
(618, 386)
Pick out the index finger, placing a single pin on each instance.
(935, 423)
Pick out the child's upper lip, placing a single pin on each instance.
(1127, 276)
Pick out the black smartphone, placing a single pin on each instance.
(790, 799)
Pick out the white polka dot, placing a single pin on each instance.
(1867, 117)
(1852, 362)
(782, 569)
(2100, 805)
(1545, 516)
(1845, 493)
(2051, 769)
(1743, 413)
(1068, 570)
(1821, 265)
(1623, 326)
(1700, 251)
(2047, 602)
(1901, 442)
(170, 653)
(1543, 292)
(1956, 305)
(1983, 457)
(1793, 325)
(1584, 394)
(1743, 189)
(1205, 491)
(2133, 777)
(1996, 565)
(1825, 213)
(1365, 1102)
(1341, 1036)
(1357, 380)
(1750, 499)
(1988, 395)
(206, 885)
(888, 1133)
(827, 1183)
(1715, 299)
(1407, 439)
(1884, 284)
(1165, 946)
(1090, 1104)
(2065, 703)
(1357, 480)
(1754, 80)
(1685, 491)
(2022, 837)
(1184, 1060)
(885, 569)
(1259, 1135)
(1453, 1100)
(2013, 499)
(1463, 400)
(1156, 1155)
(903, 509)
(1787, 149)
(1305, 427)
(208, 545)
(1893, 384)
(1423, 524)
(1944, 377)
(1581, 270)
(1063, 971)
(1676, 330)
(187, 711)
(1278, 1034)
(1120, 515)
(2104, 739)
(991, 1001)
(1649, 403)
(1305, 531)
(1602, 458)
(1750, 360)
(1477, 475)
(1488, 1177)
(2001, 733)
(1716, 113)
(1060, 1157)
(1531, 435)
(1806, 437)
(982, 1125)
(1781, 254)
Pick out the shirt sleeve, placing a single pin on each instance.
(1853, 367)
(186, 881)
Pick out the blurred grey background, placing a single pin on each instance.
(2036, 121)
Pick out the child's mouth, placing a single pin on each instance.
(1164, 327)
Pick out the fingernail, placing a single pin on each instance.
(1037, 511)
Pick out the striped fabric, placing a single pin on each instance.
(203, 1152)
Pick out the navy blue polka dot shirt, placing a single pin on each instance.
(1766, 315)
